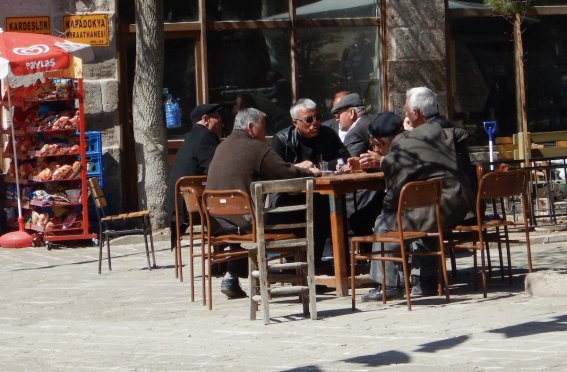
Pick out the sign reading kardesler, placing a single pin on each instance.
(87, 28)
(36, 25)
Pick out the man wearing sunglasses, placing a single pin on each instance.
(306, 143)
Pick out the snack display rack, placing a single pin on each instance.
(50, 140)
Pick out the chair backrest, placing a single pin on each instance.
(191, 188)
(227, 203)
(496, 185)
(97, 195)
(296, 186)
(421, 194)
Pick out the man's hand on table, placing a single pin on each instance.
(306, 164)
(370, 160)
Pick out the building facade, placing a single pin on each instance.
(276, 51)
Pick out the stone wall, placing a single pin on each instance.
(416, 50)
(100, 78)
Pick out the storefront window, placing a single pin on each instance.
(335, 59)
(308, 9)
(180, 10)
(233, 10)
(485, 76)
(256, 63)
(179, 78)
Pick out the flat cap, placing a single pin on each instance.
(350, 100)
(385, 124)
(205, 109)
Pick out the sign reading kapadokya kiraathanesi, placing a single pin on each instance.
(87, 28)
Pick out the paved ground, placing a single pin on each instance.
(58, 314)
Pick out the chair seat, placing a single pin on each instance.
(485, 224)
(124, 216)
(390, 236)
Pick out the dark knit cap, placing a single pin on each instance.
(385, 124)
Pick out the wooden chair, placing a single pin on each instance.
(417, 194)
(272, 243)
(219, 204)
(190, 189)
(113, 226)
(493, 188)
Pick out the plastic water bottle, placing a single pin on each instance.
(171, 107)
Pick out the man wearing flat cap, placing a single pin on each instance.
(194, 155)
(362, 206)
(424, 153)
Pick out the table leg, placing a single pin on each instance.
(338, 237)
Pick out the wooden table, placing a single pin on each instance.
(336, 186)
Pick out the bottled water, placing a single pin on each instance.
(172, 112)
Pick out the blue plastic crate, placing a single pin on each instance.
(96, 175)
(94, 163)
(93, 141)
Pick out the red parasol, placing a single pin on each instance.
(24, 54)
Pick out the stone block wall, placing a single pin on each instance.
(416, 50)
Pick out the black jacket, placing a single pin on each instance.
(294, 148)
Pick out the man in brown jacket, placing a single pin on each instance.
(245, 157)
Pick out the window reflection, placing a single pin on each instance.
(335, 59)
(485, 75)
(336, 8)
(255, 64)
(231, 10)
(180, 10)
(179, 78)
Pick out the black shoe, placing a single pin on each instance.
(423, 286)
(376, 294)
(230, 287)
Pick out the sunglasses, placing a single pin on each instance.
(311, 119)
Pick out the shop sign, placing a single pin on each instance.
(87, 28)
(35, 25)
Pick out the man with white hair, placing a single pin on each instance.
(244, 157)
(306, 143)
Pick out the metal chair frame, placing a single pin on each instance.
(108, 228)
(494, 187)
(190, 189)
(417, 194)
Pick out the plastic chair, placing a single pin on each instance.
(265, 255)
(494, 187)
(190, 189)
(113, 226)
(417, 194)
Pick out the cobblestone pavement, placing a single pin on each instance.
(58, 314)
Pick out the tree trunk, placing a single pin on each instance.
(520, 85)
(147, 111)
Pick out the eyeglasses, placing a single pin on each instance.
(311, 119)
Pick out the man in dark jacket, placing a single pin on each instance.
(193, 157)
(428, 151)
(245, 157)
(363, 206)
(307, 142)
